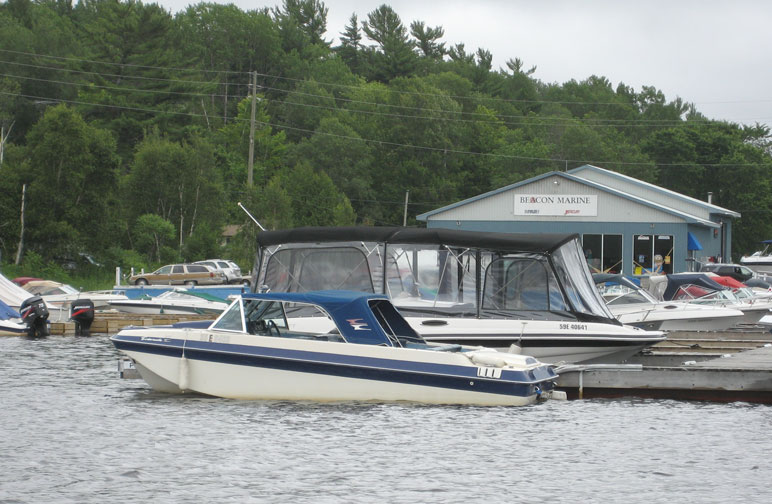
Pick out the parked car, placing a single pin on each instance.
(230, 269)
(737, 271)
(179, 274)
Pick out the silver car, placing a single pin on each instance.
(230, 269)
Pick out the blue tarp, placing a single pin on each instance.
(6, 312)
(692, 243)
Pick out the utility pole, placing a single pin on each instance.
(20, 250)
(404, 219)
(252, 131)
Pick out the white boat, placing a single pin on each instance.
(699, 288)
(463, 287)
(11, 323)
(176, 301)
(60, 296)
(631, 304)
(761, 260)
(254, 351)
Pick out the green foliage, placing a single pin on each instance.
(152, 233)
(147, 164)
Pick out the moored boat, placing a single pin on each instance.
(462, 287)
(176, 301)
(634, 305)
(255, 350)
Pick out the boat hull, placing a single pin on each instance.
(286, 369)
(140, 308)
(574, 343)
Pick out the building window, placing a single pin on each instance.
(652, 254)
(603, 252)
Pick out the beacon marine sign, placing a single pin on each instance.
(564, 205)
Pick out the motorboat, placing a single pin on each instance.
(175, 301)
(60, 296)
(634, 305)
(761, 260)
(461, 287)
(699, 288)
(254, 350)
(11, 323)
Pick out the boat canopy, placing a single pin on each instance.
(674, 282)
(437, 271)
(727, 281)
(615, 278)
(507, 242)
(360, 317)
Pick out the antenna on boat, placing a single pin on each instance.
(250, 216)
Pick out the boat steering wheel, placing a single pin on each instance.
(271, 325)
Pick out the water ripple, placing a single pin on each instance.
(74, 432)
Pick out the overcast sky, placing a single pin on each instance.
(714, 53)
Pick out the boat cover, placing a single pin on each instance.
(6, 312)
(508, 242)
(699, 279)
(352, 313)
(615, 278)
(728, 282)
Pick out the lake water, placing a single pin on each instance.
(73, 431)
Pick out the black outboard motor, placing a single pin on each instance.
(35, 314)
(82, 313)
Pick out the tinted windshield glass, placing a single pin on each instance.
(521, 283)
(303, 270)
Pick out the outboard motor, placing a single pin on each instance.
(34, 313)
(82, 313)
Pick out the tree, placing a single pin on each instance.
(394, 56)
(351, 44)
(71, 175)
(427, 39)
(151, 233)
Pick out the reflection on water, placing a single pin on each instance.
(75, 432)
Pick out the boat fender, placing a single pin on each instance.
(514, 349)
(489, 359)
(183, 381)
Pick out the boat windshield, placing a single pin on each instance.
(324, 268)
(615, 294)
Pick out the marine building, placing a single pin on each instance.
(627, 225)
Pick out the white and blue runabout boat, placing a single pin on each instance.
(255, 350)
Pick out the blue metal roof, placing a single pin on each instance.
(661, 190)
(352, 313)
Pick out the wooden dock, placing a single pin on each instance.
(112, 322)
(711, 366)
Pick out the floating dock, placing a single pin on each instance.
(706, 366)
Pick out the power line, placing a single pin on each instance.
(535, 121)
(347, 86)
(399, 145)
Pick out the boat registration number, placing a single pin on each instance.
(489, 372)
(576, 327)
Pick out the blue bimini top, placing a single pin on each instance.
(362, 318)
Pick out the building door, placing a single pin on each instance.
(652, 254)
